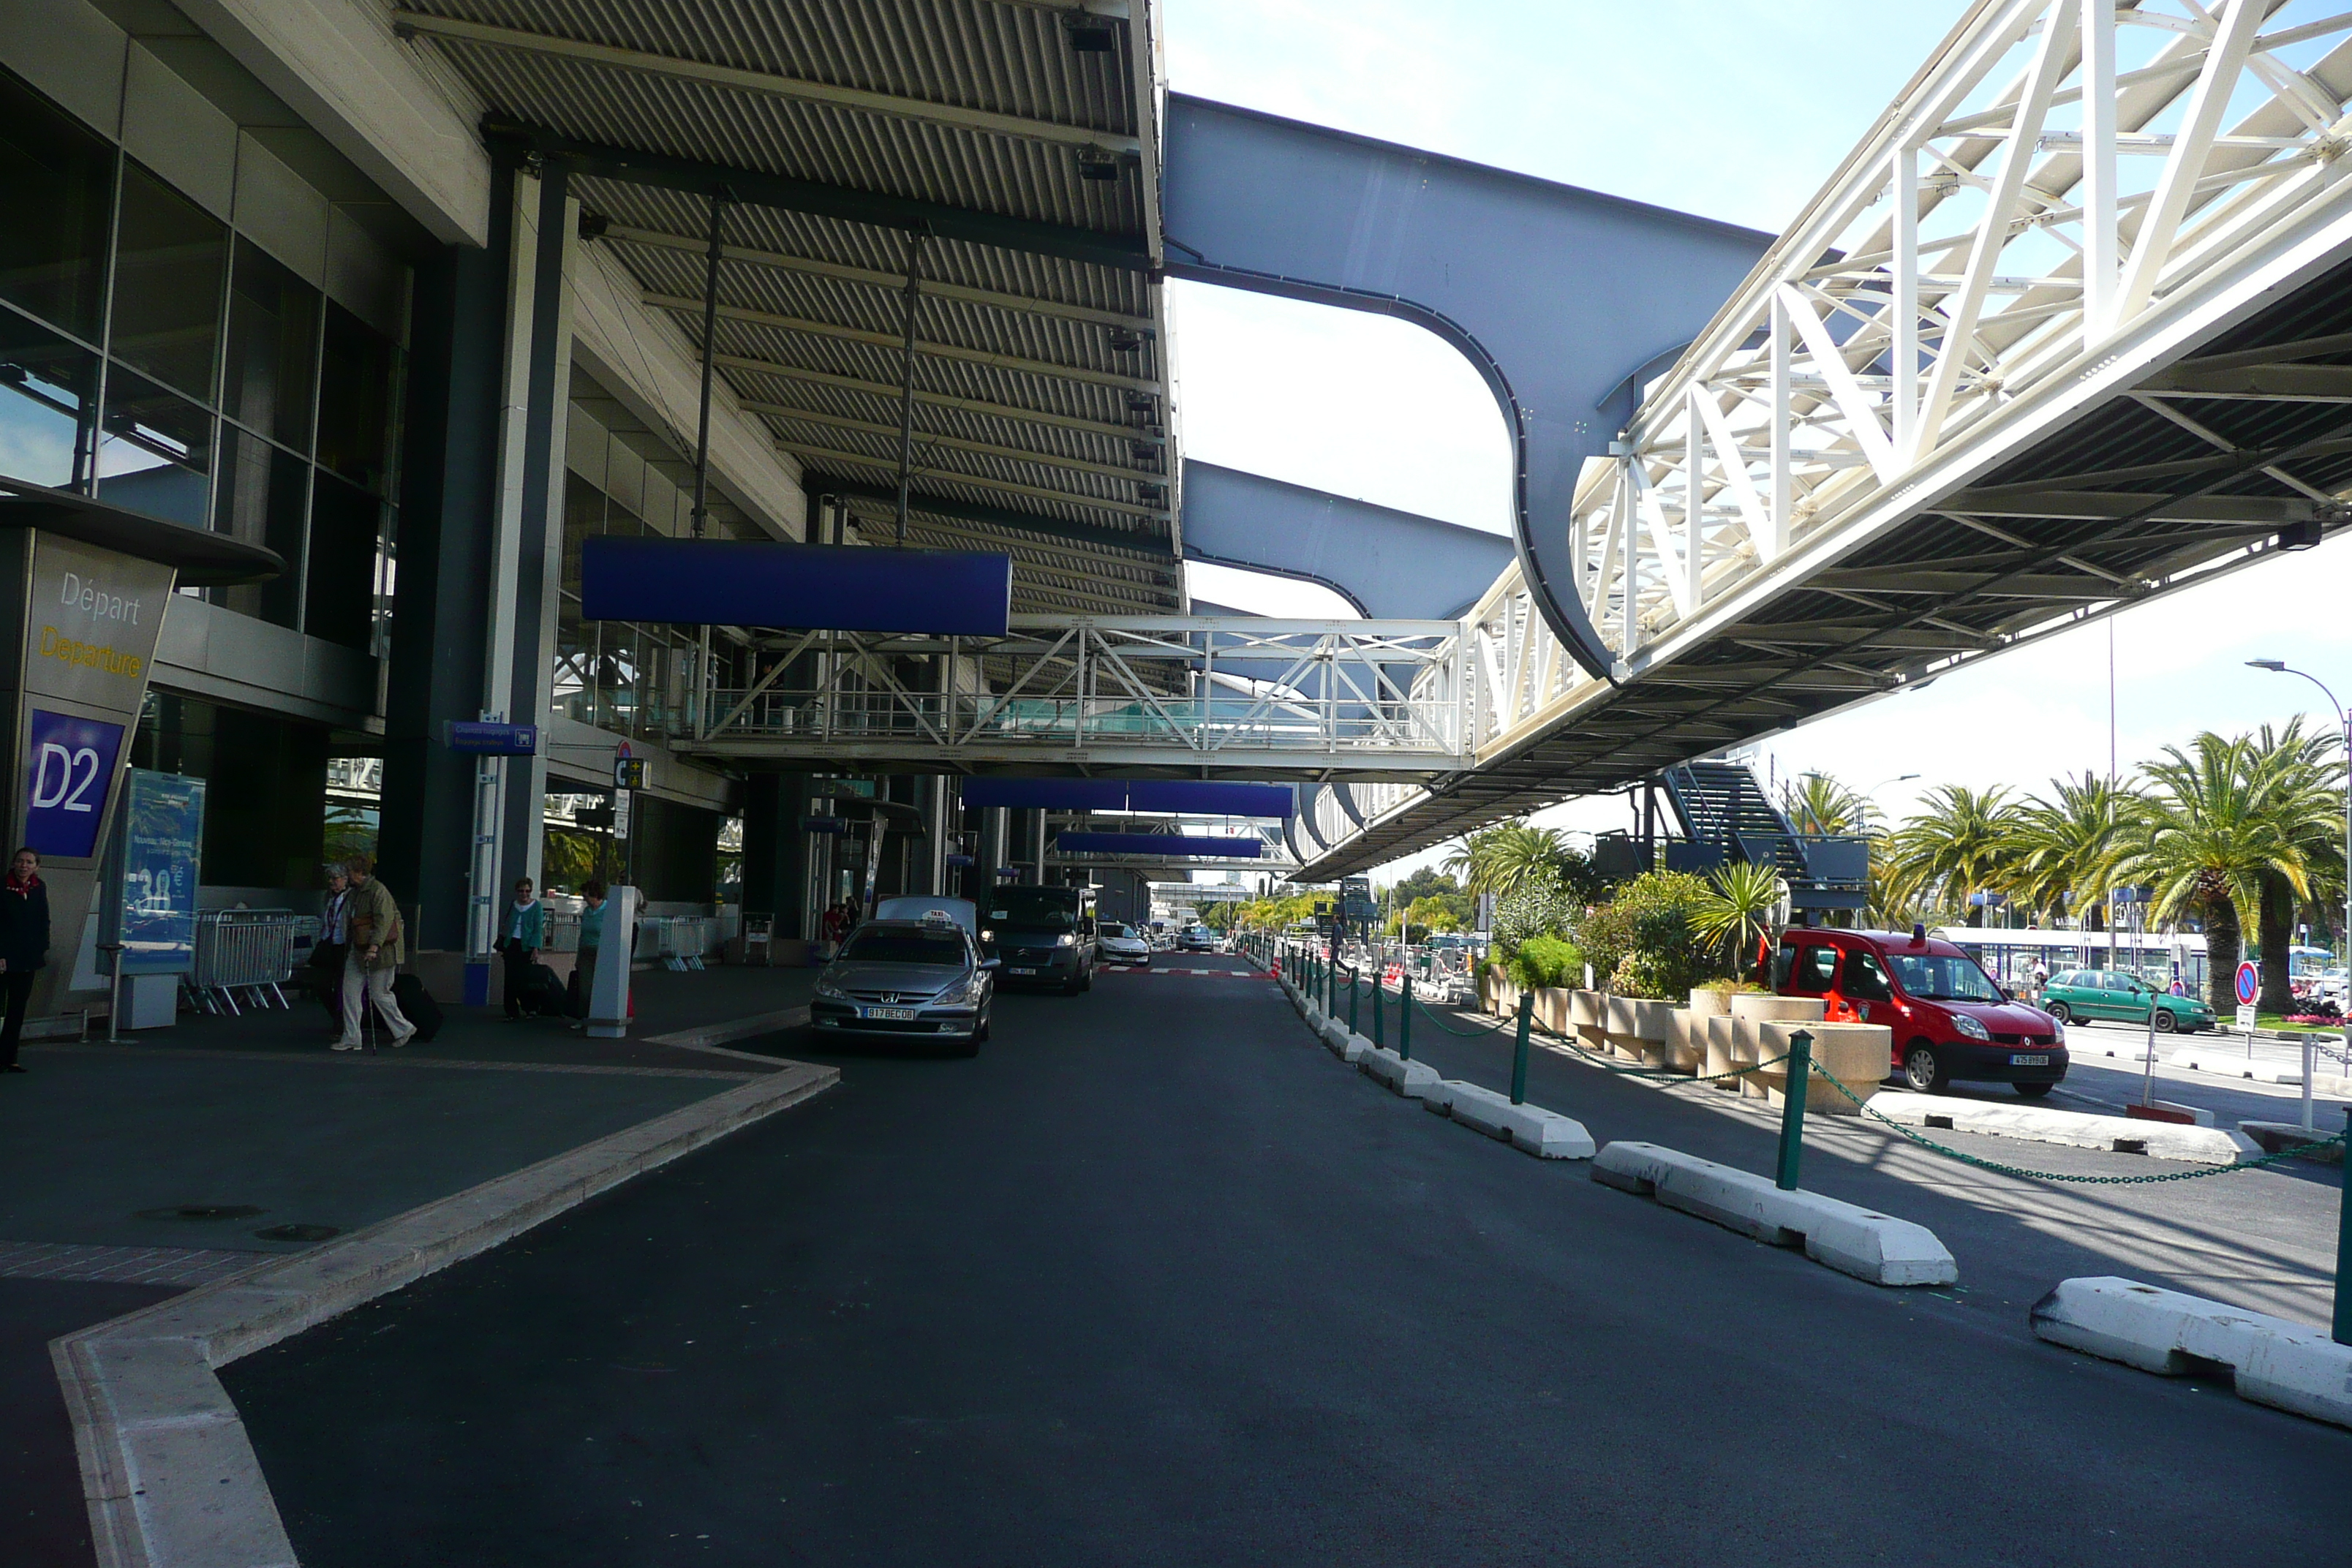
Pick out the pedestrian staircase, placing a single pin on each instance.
(1721, 803)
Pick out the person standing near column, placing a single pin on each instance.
(24, 946)
(375, 957)
(526, 934)
(334, 945)
(592, 942)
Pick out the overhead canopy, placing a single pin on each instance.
(205, 560)
(1019, 142)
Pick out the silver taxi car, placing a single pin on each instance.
(910, 979)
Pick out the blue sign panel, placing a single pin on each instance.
(1157, 843)
(751, 582)
(1192, 797)
(162, 853)
(480, 738)
(71, 769)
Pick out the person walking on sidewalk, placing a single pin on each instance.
(334, 945)
(375, 957)
(24, 946)
(525, 934)
(592, 942)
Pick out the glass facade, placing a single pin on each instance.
(154, 356)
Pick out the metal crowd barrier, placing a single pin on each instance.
(246, 954)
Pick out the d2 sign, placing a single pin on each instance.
(71, 771)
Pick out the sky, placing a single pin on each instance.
(1735, 109)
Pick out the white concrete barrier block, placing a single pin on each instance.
(1352, 1048)
(1854, 1240)
(2074, 1129)
(1411, 1080)
(1532, 1129)
(2271, 1361)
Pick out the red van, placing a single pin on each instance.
(1950, 1020)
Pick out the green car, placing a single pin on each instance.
(2087, 993)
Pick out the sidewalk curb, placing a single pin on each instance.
(168, 1473)
(1872, 1247)
(2073, 1129)
(712, 1039)
(2271, 1361)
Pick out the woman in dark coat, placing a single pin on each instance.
(24, 946)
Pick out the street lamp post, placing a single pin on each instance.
(2343, 1322)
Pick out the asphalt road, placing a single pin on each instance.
(1157, 1281)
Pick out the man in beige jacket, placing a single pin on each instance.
(374, 956)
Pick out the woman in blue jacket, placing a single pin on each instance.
(24, 946)
(524, 932)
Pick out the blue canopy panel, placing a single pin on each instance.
(1190, 796)
(753, 583)
(1157, 843)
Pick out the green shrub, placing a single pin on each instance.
(1547, 961)
(1643, 939)
(1537, 907)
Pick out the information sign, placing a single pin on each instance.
(70, 764)
(2246, 1019)
(162, 848)
(482, 738)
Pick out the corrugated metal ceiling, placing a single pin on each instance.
(1042, 382)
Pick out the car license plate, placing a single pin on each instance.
(1020, 972)
(2036, 1060)
(888, 1015)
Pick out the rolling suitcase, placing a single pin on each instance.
(408, 994)
(542, 994)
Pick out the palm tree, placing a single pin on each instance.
(2063, 845)
(1818, 805)
(1736, 912)
(2299, 778)
(1503, 858)
(2219, 819)
(1958, 845)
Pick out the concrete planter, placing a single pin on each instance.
(1856, 1055)
(1551, 1008)
(1685, 1047)
(1706, 1001)
(1636, 1028)
(1721, 1053)
(1751, 1011)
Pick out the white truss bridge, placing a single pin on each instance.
(2065, 331)
(1198, 697)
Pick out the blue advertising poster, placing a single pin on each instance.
(71, 768)
(163, 843)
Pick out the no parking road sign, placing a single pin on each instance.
(2249, 986)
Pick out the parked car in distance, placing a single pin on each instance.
(1949, 1019)
(1197, 938)
(908, 979)
(1119, 943)
(2088, 994)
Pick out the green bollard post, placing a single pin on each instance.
(1354, 990)
(1404, 1019)
(1793, 1110)
(1380, 1038)
(1520, 1051)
